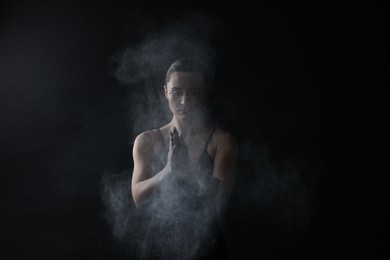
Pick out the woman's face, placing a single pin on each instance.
(186, 94)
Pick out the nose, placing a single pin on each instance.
(183, 99)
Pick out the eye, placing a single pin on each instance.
(194, 92)
(175, 92)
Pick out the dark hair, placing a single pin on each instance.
(190, 65)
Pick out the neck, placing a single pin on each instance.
(189, 128)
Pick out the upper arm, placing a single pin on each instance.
(142, 157)
(225, 159)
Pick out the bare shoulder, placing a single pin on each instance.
(225, 142)
(147, 140)
(224, 137)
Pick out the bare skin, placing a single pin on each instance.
(186, 136)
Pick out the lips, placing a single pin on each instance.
(182, 112)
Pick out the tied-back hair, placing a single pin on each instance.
(191, 65)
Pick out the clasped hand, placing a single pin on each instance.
(182, 169)
(178, 160)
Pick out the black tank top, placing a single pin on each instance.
(204, 165)
(184, 224)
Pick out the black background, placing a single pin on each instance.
(303, 78)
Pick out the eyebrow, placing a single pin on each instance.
(175, 87)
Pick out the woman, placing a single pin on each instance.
(184, 171)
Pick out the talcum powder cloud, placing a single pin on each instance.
(141, 68)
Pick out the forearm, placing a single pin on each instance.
(142, 190)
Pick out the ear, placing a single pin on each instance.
(166, 91)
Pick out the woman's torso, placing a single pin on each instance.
(184, 222)
(201, 148)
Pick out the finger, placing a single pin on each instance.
(176, 138)
(172, 135)
(172, 141)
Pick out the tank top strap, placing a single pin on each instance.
(209, 139)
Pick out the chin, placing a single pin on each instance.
(183, 117)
